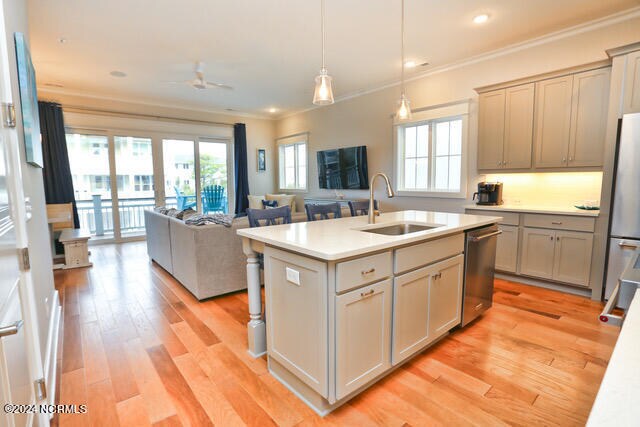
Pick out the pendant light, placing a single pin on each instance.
(404, 106)
(323, 94)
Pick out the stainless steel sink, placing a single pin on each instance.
(399, 229)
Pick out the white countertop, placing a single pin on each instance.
(617, 400)
(555, 210)
(340, 238)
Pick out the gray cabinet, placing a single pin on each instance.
(297, 316)
(553, 121)
(563, 256)
(491, 129)
(632, 84)
(363, 336)
(507, 248)
(571, 113)
(505, 128)
(410, 313)
(445, 295)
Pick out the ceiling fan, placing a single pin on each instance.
(199, 81)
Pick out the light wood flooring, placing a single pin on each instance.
(140, 350)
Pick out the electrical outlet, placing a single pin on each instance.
(293, 276)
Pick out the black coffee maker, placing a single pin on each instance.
(489, 193)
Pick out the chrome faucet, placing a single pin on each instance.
(372, 211)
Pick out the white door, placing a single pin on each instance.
(20, 362)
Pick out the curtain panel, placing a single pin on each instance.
(240, 167)
(58, 183)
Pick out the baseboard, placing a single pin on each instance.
(50, 365)
(568, 289)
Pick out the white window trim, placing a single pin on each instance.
(298, 138)
(429, 115)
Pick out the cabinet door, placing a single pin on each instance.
(632, 84)
(552, 123)
(297, 330)
(445, 295)
(518, 127)
(589, 117)
(410, 313)
(363, 336)
(537, 252)
(507, 248)
(491, 129)
(572, 263)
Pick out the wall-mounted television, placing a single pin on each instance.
(343, 168)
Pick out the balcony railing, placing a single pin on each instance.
(96, 215)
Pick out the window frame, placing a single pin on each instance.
(296, 141)
(431, 117)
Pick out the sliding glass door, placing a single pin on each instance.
(91, 172)
(214, 180)
(134, 179)
(179, 171)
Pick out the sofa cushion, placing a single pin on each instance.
(255, 202)
(283, 200)
(270, 204)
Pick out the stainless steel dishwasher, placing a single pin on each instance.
(479, 268)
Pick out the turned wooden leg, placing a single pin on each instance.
(256, 328)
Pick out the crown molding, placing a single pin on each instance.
(70, 92)
(595, 24)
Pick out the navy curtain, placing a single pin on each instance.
(242, 173)
(58, 183)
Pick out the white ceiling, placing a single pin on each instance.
(269, 50)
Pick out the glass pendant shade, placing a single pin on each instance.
(404, 109)
(323, 94)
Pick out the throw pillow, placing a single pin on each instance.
(255, 202)
(270, 204)
(283, 200)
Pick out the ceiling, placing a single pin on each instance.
(269, 50)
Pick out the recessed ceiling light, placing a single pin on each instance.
(480, 19)
(62, 40)
(116, 73)
(273, 110)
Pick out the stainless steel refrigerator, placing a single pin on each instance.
(624, 236)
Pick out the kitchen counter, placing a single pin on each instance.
(345, 306)
(344, 237)
(617, 401)
(553, 210)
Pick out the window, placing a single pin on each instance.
(141, 147)
(143, 183)
(100, 183)
(430, 157)
(292, 161)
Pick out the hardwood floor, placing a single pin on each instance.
(140, 350)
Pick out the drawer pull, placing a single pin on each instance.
(369, 271)
(367, 294)
(437, 275)
(626, 245)
(556, 222)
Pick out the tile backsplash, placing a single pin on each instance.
(549, 188)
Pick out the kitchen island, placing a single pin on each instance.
(348, 301)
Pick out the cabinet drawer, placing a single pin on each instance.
(508, 218)
(411, 257)
(361, 271)
(560, 222)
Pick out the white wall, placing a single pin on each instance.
(39, 244)
(260, 132)
(366, 120)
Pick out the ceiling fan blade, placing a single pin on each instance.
(181, 82)
(220, 85)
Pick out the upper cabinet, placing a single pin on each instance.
(505, 128)
(571, 114)
(491, 129)
(558, 121)
(632, 84)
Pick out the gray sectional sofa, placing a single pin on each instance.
(207, 260)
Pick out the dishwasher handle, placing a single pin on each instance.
(484, 236)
